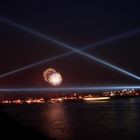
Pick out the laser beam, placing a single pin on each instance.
(98, 60)
(69, 89)
(34, 64)
(112, 39)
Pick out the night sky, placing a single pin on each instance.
(77, 23)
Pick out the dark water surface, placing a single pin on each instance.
(113, 120)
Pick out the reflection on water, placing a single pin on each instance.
(124, 116)
(57, 121)
(98, 101)
(114, 119)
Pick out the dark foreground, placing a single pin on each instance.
(10, 129)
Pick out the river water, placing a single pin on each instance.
(113, 120)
